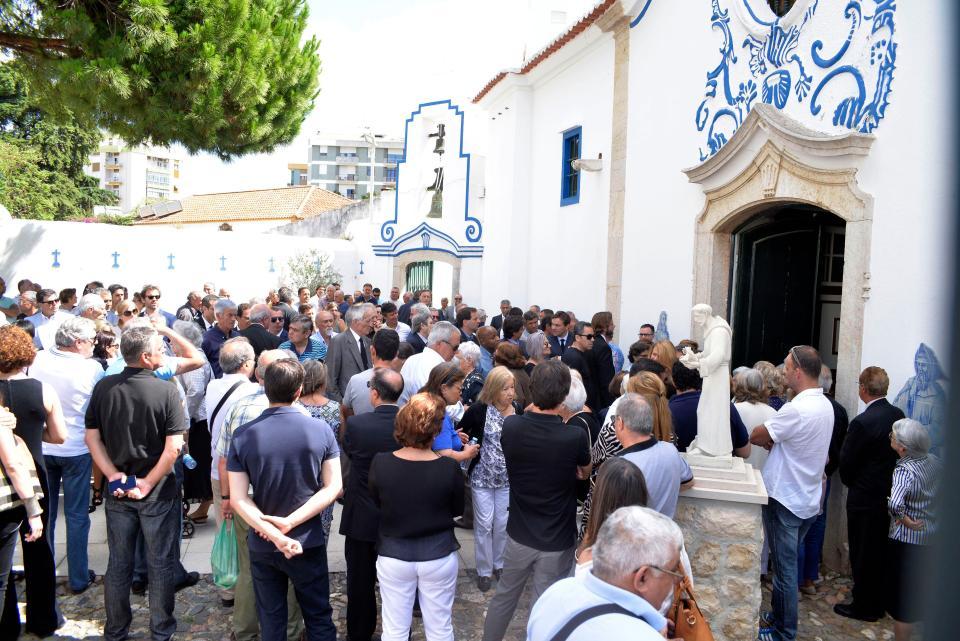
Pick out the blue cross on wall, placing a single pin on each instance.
(223, 266)
(56, 258)
(170, 258)
(271, 264)
(116, 265)
(361, 266)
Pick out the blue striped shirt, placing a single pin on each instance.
(315, 350)
(915, 485)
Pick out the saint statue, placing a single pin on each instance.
(713, 363)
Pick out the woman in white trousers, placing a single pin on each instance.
(489, 484)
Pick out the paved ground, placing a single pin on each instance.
(200, 615)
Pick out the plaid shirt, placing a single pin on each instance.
(243, 411)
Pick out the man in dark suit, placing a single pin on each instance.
(467, 321)
(576, 358)
(260, 339)
(420, 321)
(497, 321)
(365, 436)
(192, 306)
(602, 359)
(207, 316)
(559, 335)
(866, 468)
(349, 352)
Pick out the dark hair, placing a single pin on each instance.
(242, 307)
(685, 378)
(282, 380)
(387, 308)
(650, 326)
(529, 316)
(601, 321)
(147, 288)
(16, 349)
(303, 321)
(619, 483)
(405, 350)
(307, 289)
(67, 294)
(545, 321)
(512, 325)
(807, 359)
(442, 374)
(582, 325)
(419, 421)
(92, 285)
(563, 316)
(516, 311)
(26, 326)
(209, 300)
(44, 293)
(546, 310)
(647, 365)
(549, 384)
(113, 288)
(389, 384)
(509, 355)
(105, 339)
(386, 342)
(464, 314)
(314, 377)
(638, 349)
(304, 308)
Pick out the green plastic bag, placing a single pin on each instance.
(223, 556)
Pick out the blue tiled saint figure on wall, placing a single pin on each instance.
(923, 397)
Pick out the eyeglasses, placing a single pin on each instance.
(276, 319)
(152, 296)
(49, 302)
(793, 354)
(677, 576)
(645, 335)
(128, 313)
(589, 337)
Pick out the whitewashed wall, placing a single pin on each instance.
(26, 251)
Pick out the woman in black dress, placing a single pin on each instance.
(39, 418)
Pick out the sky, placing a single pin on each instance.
(380, 59)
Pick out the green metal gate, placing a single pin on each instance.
(420, 275)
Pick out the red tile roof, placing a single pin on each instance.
(551, 48)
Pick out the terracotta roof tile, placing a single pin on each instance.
(551, 48)
(283, 203)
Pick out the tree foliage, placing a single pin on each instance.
(226, 76)
(310, 269)
(41, 162)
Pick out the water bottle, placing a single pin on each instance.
(189, 462)
(473, 441)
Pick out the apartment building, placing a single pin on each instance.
(137, 175)
(350, 166)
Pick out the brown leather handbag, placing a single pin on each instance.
(689, 623)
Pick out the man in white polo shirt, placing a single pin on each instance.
(68, 368)
(798, 437)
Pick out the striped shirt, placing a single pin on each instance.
(315, 350)
(915, 485)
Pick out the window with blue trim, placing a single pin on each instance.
(570, 177)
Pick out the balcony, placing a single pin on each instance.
(347, 178)
(348, 159)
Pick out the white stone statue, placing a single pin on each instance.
(713, 363)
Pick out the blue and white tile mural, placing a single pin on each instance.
(923, 397)
(832, 65)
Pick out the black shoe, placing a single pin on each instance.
(483, 583)
(847, 610)
(498, 574)
(191, 580)
(89, 583)
(139, 588)
(227, 603)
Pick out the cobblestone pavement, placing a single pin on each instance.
(200, 616)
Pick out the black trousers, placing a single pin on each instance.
(361, 557)
(40, 574)
(867, 531)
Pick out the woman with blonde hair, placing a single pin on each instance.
(126, 311)
(489, 485)
(775, 382)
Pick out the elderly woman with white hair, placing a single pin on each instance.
(916, 479)
(537, 348)
(573, 412)
(468, 357)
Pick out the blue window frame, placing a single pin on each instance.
(570, 177)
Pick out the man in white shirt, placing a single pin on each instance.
(442, 344)
(49, 314)
(68, 368)
(798, 437)
(392, 321)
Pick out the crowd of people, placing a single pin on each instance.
(535, 429)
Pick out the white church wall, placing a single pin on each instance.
(85, 252)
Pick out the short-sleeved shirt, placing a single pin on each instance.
(801, 432)
(165, 372)
(135, 412)
(282, 452)
(663, 469)
(683, 410)
(357, 394)
(447, 439)
(542, 455)
(316, 349)
(6, 303)
(73, 377)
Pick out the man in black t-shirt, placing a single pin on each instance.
(135, 427)
(544, 458)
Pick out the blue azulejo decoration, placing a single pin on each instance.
(361, 267)
(784, 64)
(424, 237)
(223, 263)
(271, 264)
(170, 258)
(56, 258)
(116, 261)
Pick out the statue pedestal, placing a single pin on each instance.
(723, 534)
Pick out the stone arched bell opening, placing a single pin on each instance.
(772, 160)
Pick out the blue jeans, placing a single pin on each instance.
(140, 554)
(786, 530)
(811, 550)
(308, 573)
(74, 474)
(159, 523)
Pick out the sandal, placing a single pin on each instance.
(95, 500)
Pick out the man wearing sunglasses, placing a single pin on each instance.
(151, 305)
(48, 314)
(258, 333)
(575, 357)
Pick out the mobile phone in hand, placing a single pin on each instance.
(124, 483)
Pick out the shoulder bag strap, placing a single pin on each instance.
(223, 399)
(585, 615)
